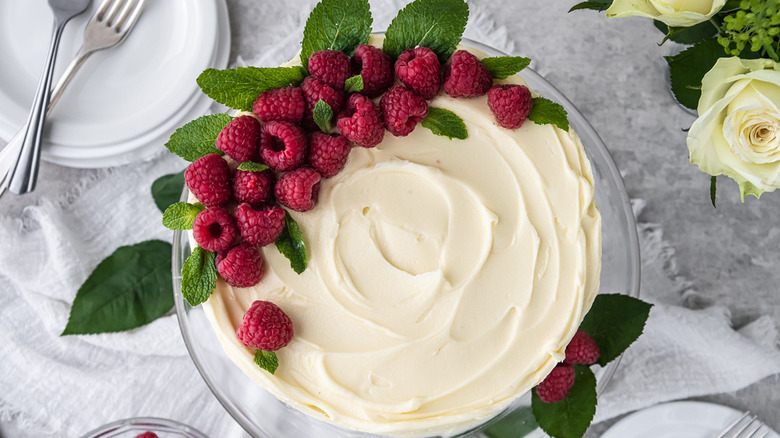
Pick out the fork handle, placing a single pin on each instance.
(67, 75)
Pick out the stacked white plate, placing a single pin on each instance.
(124, 102)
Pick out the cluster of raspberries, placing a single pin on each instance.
(583, 350)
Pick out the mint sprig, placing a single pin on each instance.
(323, 115)
(435, 24)
(570, 417)
(445, 123)
(336, 25)
(238, 88)
(615, 321)
(267, 360)
(199, 276)
(546, 112)
(354, 84)
(251, 166)
(501, 67)
(197, 138)
(291, 244)
(181, 215)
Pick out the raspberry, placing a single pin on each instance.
(239, 138)
(208, 178)
(265, 327)
(282, 145)
(147, 435)
(557, 384)
(510, 104)
(281, 104)
(582, 349)
(403, 110)
(214, 229)
(466, 76)
(298, 189)
(419, 69)
(375, 66)
(361, 122)
(253, 187)
(331, 67)
(313, 91)
(328, 153)
(259, 227)
(242, 266)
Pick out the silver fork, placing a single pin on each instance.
(746, 426)
(109, 25)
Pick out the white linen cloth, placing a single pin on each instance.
(66, 386)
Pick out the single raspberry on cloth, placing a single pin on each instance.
(208, 178)
(361, 122)
(253, 187)
(402, 110)
(259, 227)
(376, 68)
(214, 229)
(555, 387)
(328, 153)
(281, 104)
(511, 104)
(419, 69)
(466, 76)
(239, 138)
(242, 266)
(282, 145)
(313, 91)
(298, 189)
(582, 349)
(265, 327)
(331, 67)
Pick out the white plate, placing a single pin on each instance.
(685, 419)
(122, 99)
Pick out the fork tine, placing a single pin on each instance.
(109, 17)
(733, 429)
(134, 7)
(101, 10)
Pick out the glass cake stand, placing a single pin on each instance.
(263, 415)
(132, 427)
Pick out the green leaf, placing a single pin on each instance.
(251, 166)
(354, 84)
(596, 5)
(336, 25)
(128, 289)
(435, 24)
(687, 35)
(546, 112)
(197, 138)
(687, 69)
(570, 417)
(166, 189)
(445, 123)
(290, 243)
(238, 88)
(267, 360)
(501, 67)
(518, 423)
(181, 215)
(615, 321)
(198, 276)
(323, 114)
(713, 189)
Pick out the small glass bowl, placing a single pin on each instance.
(132, 427)
(264, 416)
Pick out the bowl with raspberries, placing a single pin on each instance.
(145, 427)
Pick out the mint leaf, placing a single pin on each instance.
(687, 35)
(596, 5)
(198, 276)
(197, 138)
(323, 114)
(501, 67)
(687, 69)
(181, 215)
(713, 189)
(518, 423)
(267, 360)
(128, 289)
(435, 24)
(166, 189)
(238, 88)
(354, 84)
(251, 166)
(336, 25)
(445, 123)
(546, 112)
(615, 321)
(290, 243)
(570, 417)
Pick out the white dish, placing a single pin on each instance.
(685, 419)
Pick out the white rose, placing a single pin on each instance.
(674, 13)
(737, 133)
